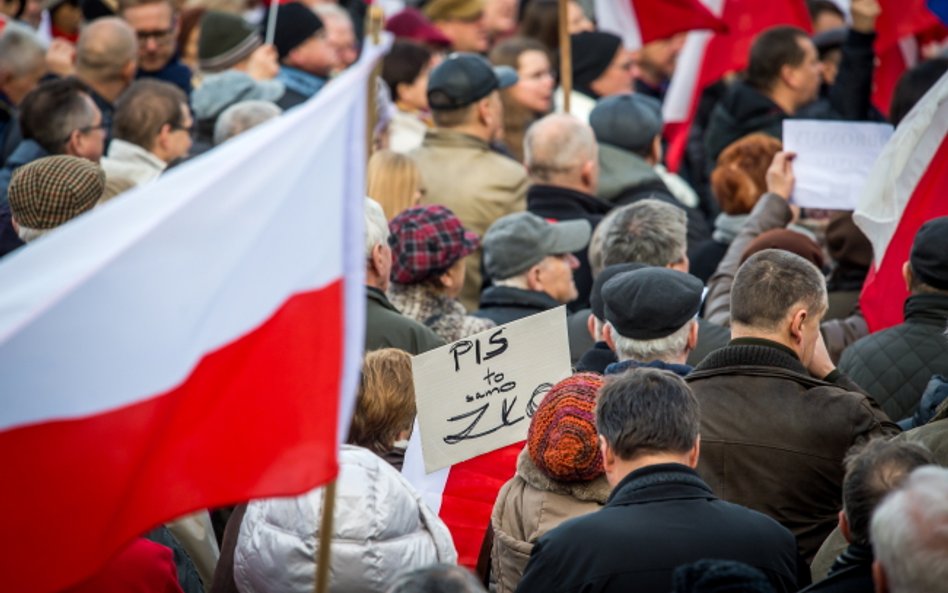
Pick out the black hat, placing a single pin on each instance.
(630, 121)
(719, 576)
(929, 258)
(830, 39)
(463, 78)
(608, 273)
(592, 52)
(225, 39)
(651, 303)
(295, 24)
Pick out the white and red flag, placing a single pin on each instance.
(905, 189)
(194, 343)
(642, 21)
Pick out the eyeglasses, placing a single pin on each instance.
(86, 130)
(178, 127)
(160, 36)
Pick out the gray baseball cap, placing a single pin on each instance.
(517, 242)
(629, 121)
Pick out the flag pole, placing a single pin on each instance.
(566, 54)
(324, 558)
(373, 30)
(272, 21)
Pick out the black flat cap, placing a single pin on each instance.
(651, 303)
(929, 258)
(608, 273)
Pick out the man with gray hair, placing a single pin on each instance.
(240, 117)
(910, 535)
(106, 60)
(22, 65)
(385, 327)
(339, 33)
(437, 578)
(651, 319)
(561, 156)
(777, 417)
(661, 514)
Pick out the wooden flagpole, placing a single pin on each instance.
(566, 54)
(374, 19)
(324, 556)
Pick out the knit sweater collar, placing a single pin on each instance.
(753, 352)
(927, 308)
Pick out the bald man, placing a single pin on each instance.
(562, 157)
(106, 59)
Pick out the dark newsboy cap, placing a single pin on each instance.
(929, 258)
(596, 304)
(651, 303)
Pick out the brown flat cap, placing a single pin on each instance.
(53, 190)
(446, 10)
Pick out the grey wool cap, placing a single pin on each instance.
(517, 242)
(651, 303)
(225, 39)
(630, 121)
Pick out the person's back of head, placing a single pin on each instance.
(740, 177)
(913, 85)
(437, 578)
(22, 61)
(825, 15)
(561, 150)
(405, 62)
(650, 232)
(107, 52)
(771, 285)
(872, 471)
(148, 113)
(631, 122)
(393, 180)
(463, 94)
(909, 533)
(719, 576)
(240, 117)
(385, 403)
(378, 254)
(646, 416)
(55, 111)
(926, 272)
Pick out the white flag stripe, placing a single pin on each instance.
(681, 89)
(180, 268)
(615, 16)
(900, 167)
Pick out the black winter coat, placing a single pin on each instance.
(657, 518)
(503, 304)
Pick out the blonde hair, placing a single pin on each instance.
(393, 180)
(385, 404)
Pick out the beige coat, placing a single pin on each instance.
(528, 506)
(462, 173)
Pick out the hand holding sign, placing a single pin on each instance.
(478, 394)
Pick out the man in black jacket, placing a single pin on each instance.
(661, 514)
(560, 153)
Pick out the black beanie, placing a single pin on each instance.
(295, 24)
(592, 53)
(929, 256)
(719, 576)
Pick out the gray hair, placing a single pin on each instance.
(909, 533)
(649, 231)
(105, 47)
(26, 234)
(646, 411)
(670, 346)
(556, 144)
(240, 117)
(437, 578)
(376, 226)
(21, 50)
(332, 11)
(770, 283)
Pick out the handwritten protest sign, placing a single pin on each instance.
(478, 394)
(833, 160)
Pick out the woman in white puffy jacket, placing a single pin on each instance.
(380, 528)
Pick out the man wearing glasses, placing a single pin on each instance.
(156, 26)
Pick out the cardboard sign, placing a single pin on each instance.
(478, 394)
(833, 160)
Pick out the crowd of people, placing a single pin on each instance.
(731, 423)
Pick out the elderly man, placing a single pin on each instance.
(661, 514)
(306, 57)
(777, 418)
(652, 319)
(106, 59)
(461, 21)
(531, 264)
(339, 33)
(908, 535)
(152, 129)
(240, 117)
(22, 64)
(156, 25)
(459, 169)
(560, 153)
(895, 364)
(385, 327)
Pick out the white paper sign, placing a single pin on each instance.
(833, 160)
(478, 394)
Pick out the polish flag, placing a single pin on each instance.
(462, 495)
(905, 189)
(707, 57)
(193, 343)
(642, 21)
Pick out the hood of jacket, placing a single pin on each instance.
(743, 110)
(593, 491)
(219, 91)
(620, 170)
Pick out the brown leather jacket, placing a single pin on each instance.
(773, 438)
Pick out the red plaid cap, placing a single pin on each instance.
(426, 241)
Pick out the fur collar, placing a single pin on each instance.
(597, 490)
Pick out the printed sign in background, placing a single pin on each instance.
(478, 394)
(833, 160)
